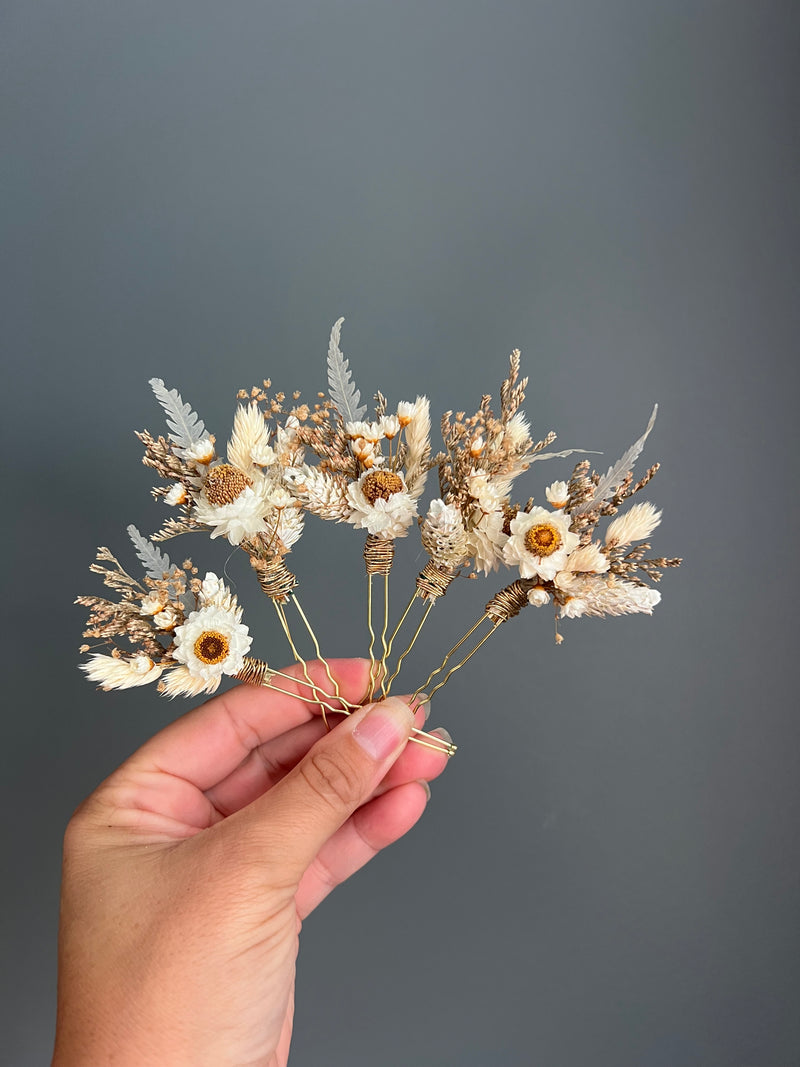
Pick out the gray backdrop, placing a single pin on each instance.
(608, 873)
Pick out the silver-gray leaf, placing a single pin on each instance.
(186, 426)
(342, 392)
(614, 476)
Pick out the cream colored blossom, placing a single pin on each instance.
(370, 431)
(538, 596)
(166, 619)
(539, 543)
(380, 504)
(390, 427)
(242, 517)
(557, 494)
(489, 490)
(202, 452)
(213, 641)
(176, 495)
(637, 523)
(151, 604)
(111, 672)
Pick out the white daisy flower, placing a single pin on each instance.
(390, 426)
(113, 673)
(166, 619)
(201, 452)
(380, 504)
(557, 494)
(539, 543)
(176, 495)
(231, 504)
(151, 605)
(212, 642)
(637, 523)
(538, 596)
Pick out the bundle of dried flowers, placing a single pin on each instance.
(330, 460)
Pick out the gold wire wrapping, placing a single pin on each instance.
(509, 601)
(255, 672)
(433, 581)
(274, 577)
(378, 554)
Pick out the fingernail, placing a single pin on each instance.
(425, 786)
(384, 728)
(422, 700)
(441, 732)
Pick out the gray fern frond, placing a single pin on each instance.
(186, 426)
(615, 474)
(155, 562)
(342, 391)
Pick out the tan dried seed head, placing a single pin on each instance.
(381, 484)
(224, 484)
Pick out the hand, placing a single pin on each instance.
(188, 872)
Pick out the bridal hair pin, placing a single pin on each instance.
(287, 460)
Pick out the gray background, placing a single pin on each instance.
(608, 873)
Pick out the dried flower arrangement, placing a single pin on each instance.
(330, 460)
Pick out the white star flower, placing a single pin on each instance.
(212, 642)
(538, 596)
(176, 495)
(380, 504)
(539, 543)
(557, 494)
(201, 452)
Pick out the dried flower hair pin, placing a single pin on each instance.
(333, 462)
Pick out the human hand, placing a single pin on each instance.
(188, 872)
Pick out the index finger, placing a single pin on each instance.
(209, 742)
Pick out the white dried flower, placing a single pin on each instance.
(151, 604)
(380, 504)
(212, 642)
(405, 412)
(419, 447)
(486, 539)
(201, 452)
(165, 620)
(390, 426)
(263, 455)
(111, 672)
(366, 452)
(370, 431)
(232, 507)
(587, 558)
(477, 446)
(557, 494)
(538, 596)
(636, 524)
(489, 490)
(589, 595)
(176, 495)
(539, 543)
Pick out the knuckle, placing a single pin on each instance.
(333, 779)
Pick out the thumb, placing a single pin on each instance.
(334, 778)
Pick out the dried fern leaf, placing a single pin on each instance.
(186, 426)
(155, 562)
(615, 474)
(342, 392)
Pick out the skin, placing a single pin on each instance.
(189, 871)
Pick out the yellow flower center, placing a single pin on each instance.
(381, 484)
(224, 484)
(211, 647)
(543, 539)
